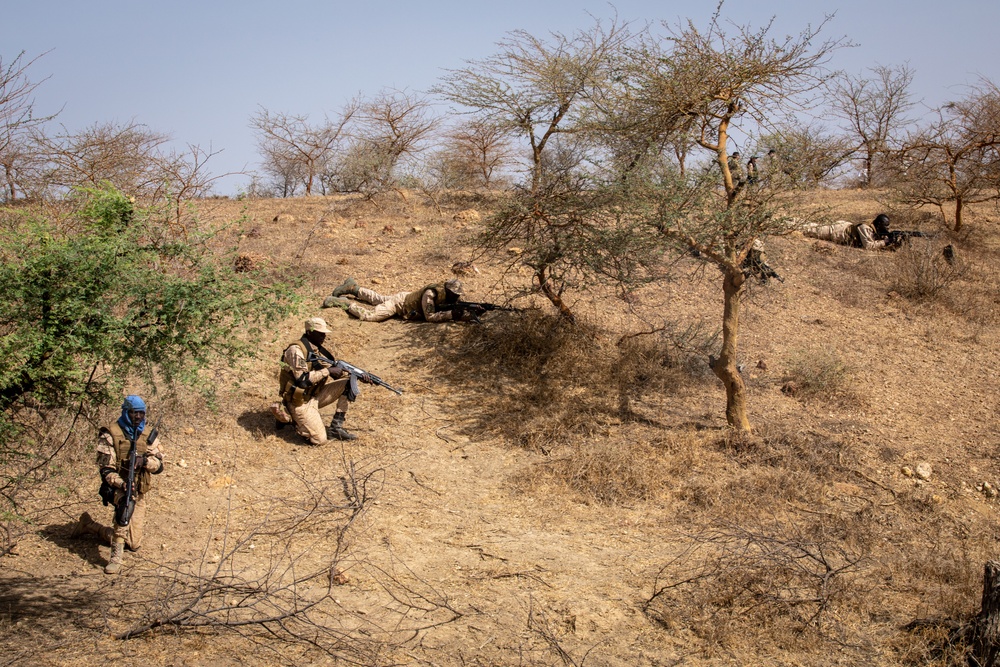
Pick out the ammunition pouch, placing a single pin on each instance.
(294, 396)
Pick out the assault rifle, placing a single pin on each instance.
(125, 506)
(897, 237)
(761, 270)
(355, 373)
(477, 308)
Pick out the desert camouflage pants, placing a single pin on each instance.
(308, 422)
(132, 533)
(386, 307)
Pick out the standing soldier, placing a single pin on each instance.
(753, 174)
(309, 380)
(114, 443)
(423, 304)
(736, 170)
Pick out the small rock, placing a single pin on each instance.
(388, 229)
(417, 230)
(182, 463)
(923, 471)
(989, 490)
(762, 365)
(907, 471)
(514, 250)
(284, 217)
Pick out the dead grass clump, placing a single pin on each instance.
(611, 471)
(776, 446)
(818, 375)
(920, 271)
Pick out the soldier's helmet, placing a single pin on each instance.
(454, 287)
(881, 224)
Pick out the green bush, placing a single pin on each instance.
(105, 295)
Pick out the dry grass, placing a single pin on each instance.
(819, 375)
(802, 544)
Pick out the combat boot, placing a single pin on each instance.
(349, 286)
(336, 430)
(117, 557)
(336, 301)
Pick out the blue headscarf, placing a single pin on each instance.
(132, 431)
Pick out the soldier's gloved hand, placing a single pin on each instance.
(115, 480)
(152, 463)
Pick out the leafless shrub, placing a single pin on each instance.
(275, 580)
(920, 271)
(785, 579)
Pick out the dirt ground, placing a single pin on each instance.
(467, 552)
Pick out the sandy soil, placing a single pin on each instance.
(461, 526)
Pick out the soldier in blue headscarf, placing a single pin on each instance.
(113, 444)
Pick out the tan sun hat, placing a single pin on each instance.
(317, 324)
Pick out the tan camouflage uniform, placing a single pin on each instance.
(398, 305)
(324, 390)
(132, 533)
(858, 235)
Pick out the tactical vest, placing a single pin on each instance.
(290, 393)
(854, 236)
(143, 478)
(412, 308)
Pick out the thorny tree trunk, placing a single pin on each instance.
(959, 207)
(986, 630)
(725, 366)
(553, 294)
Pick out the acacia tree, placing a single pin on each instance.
(18, 156)
(956, 158)
(127, 155)
(391, 129)
(540, 91)
(473, 153)
(105, 295)
(289, 144)
(184, 176)
(803, 155)
(715, 79)
(875, 111)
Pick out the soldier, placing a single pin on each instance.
(311, 380)
(113, 444)
(736, 170)
(424, 304)
(755, 264)
(872, 235)
(752, 172)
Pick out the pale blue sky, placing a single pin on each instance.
(198, 70)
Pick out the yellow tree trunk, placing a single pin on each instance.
(725, 366)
